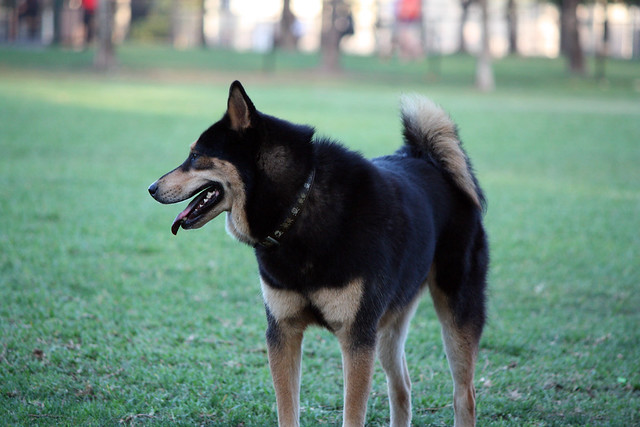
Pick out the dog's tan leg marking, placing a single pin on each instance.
(339, 307)
(284, 362)
(461, 347)
(357, 368)
(285, 356)
(392, 335)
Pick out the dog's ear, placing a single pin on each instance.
(239, 107)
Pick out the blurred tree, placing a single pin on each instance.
(105, 57)
(571, 34)
(287, 38)
(175, 21)
(485, 81)
(464, 4)
(512, 26)
(602, 50)
(227, 24)
(202, 10)
(57, 21)
(570, 45)
(337, 22)
(139, 9)
(187, 23)
(151, 20)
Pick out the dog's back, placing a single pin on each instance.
(373, 236)
(434, 186)
(458, 271)
(347, 243)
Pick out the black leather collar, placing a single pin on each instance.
(273, 239)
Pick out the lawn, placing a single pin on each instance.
(107, 318)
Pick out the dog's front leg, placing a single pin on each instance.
(357, 365)
(284, 347)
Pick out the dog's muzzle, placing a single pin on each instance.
(208, 198)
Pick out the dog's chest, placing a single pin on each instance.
(337, 306)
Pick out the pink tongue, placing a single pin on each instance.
(181, 216)
(178, 221)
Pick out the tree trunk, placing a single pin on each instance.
(512, 24)
(563, 29)
(462, 47)
(105, 57)
(57, 21)
(484, 71)
(175, 22)
(603, 49)
(202, 39)
(574, 48)
(330, 38)
(227, 25)
(287, 38)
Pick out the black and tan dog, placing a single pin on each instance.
(347, 243)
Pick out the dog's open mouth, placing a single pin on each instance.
(200, 205)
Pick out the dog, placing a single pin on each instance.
(347, 243)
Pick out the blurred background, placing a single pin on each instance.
(107, 318)
(406, 29)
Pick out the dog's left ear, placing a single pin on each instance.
(239, 107)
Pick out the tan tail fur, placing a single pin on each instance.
(430, 130)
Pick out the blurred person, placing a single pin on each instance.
(89, 12)
(408, 34)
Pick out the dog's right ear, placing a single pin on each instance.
(239, 107)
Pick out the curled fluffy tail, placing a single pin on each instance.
(430, 132)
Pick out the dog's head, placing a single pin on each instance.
(229, 163)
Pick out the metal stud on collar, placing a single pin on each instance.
(273, 238)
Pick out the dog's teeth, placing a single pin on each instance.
(209, 194)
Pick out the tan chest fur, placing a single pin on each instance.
(338, 306)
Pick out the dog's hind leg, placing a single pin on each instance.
(461, 346)
(392, 335)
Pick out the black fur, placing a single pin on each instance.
(385, 221)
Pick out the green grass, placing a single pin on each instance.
(107, 318)
(451, 72)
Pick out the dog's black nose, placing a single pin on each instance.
(153, 188)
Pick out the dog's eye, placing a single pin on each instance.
(194, 157)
